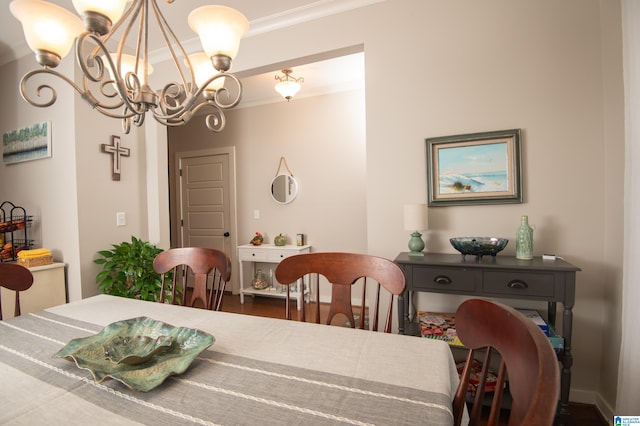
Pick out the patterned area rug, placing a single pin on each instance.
(356, 317)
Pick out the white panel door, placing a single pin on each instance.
(205, 202)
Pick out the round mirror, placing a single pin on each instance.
(284, 189)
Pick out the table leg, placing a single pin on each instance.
(402, 307)
(567, 362)
(241, 283)
(551, 313)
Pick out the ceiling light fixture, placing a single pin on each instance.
(123, 91)
(288, 85)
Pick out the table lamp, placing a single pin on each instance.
(415, 220)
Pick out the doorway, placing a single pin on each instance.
(205, 201)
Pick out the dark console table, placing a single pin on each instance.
(500, 277)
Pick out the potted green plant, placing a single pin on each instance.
(127, 270)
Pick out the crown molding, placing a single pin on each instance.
(287, 18)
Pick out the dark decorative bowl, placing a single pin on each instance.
(479, 246)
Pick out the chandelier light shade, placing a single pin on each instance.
(220, 29)
(288, 86)
(116, 83)
(415, 220)
(48, 29)
(112, 10)
(203, 69)
(127, 65)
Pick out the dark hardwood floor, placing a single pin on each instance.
(581, 414)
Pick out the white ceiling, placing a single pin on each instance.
(330, 75)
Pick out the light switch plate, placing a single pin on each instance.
(121, 219)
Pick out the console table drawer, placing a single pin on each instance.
(262, 255)
(515, 284)
(443, 279)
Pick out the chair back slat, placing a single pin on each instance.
(342, 271)
(526, 358)
(17, 278)
(206, 265)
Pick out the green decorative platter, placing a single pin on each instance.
(134, 350)
(156, 350)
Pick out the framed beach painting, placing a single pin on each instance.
(475, 168)
(28, 143)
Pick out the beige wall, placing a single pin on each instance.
(71, 195)
(323, 141)
(456, 67)
(437, 68)
(47, 188)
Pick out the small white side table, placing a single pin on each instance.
(250, 255)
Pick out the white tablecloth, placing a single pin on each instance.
(407, 373)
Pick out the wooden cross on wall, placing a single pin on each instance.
(117, 151)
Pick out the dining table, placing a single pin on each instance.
(258, 371)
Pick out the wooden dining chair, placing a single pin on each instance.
(17, 278)
(342, 270)
(205, 264)
(525, 356)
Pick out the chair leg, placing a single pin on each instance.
(17, 309)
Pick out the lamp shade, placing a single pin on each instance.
(220, 29)
(288, 88)
(415, 217)
(204, 70)
(127, 65)
(47, 27)
(112, 9)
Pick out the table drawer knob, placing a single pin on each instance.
(442, 279)
(517, 284)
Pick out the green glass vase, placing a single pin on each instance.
(524, 240)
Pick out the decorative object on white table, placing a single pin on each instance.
(280, 240)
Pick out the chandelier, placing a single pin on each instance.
(115, 83)
(288, 85)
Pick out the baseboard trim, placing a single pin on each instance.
(605, 409)
(595, 399)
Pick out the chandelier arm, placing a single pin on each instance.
(179, 110)
(92, 60)
(172, 41)
(126, 30)
(142, 43)
(233, 101)
(215, 120)
(86, 95)
(173, 101)
(52, 91)
(133, 9)
(123, 86)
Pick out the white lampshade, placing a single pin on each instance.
(220, 29)
(127, 65)
(47, 27)
(112, 9)
(204, 70)
(415, 217)
(288, 88)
